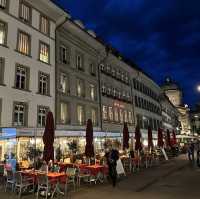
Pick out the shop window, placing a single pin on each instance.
(80, 88)
(24, 43)
(20, 114)
(105, 112)
(44, 52)
(110, 113)
(64, 83)
(44, 25)
(2, 68)
(25, 13)
(94, 116)
(116, 114)
(22, 77)
(44, 84)
(80, 115)
(42, 114)
(64, 113)
(3, 33)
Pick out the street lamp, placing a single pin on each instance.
(198, 88)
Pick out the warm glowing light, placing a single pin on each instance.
(198, 88)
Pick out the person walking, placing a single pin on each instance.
(198, 153)
(112, 158)
(191, 152)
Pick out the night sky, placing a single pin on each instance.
(161, 36)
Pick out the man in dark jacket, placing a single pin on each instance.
(112, 164)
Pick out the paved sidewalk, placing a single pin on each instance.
(128, 187)
(133, 184)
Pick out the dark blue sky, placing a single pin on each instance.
(161, 36)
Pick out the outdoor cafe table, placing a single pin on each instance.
(97, 171)
(54, 177)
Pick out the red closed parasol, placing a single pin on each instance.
(150, 138)
(48, 138)
(89, 148)
(125, 137)
(138, 144)
(168, 139)
(160, 138)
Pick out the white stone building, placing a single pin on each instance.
(27, 63)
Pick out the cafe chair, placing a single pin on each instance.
(43, 185)
(23, 183)
(10, 180)
(83, 174)
(71, 173)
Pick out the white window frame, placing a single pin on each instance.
(24, 43)
(44, 80)
(21, 71)
(16, 121)
(42, 114)
(25, 12)
(3, 33)
(44, 52)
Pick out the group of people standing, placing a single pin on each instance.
(191, 152)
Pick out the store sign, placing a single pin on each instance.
(7, 133)
(118, 104)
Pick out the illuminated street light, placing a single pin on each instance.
(198, 88)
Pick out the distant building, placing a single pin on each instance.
(195, 120)
(174, 93)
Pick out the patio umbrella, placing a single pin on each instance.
(150, 138)
(138, 144)
(48, 138)
(89, 148)
(125, 137)
(160, 138)
(168, 140)
(174, 138)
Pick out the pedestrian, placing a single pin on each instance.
(112, 158)
(198, 153)
(191, 152)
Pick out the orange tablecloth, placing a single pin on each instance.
(95, 169)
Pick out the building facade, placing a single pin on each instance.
(27, 63)
(174, 93)
(170, 115)
(146, 95)
(195, 121)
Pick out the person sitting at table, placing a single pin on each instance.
(44, 166)
(50, 165)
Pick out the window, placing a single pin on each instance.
(125, 116)
(24, 43)
(64, 113)
(44, 83)
(116, 114)
(64, 83)
(22, 77)
(114, 92)
(102, 67)
(44, 52)
(108, 69)
(79, 62)
(25, 13)
(103, 88)
(3, 32)
(110, 113)
(2, 67)
(94, 116)
(121, 116)
(44, 25)
(92, 69)
(0, 110)
(64, 55)
(42, 114)
(80, 88)
(81, 115)
(105, 113)
(20, 114)
(113, 72)
(130, 120)
(92, 92)
(3, 4)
